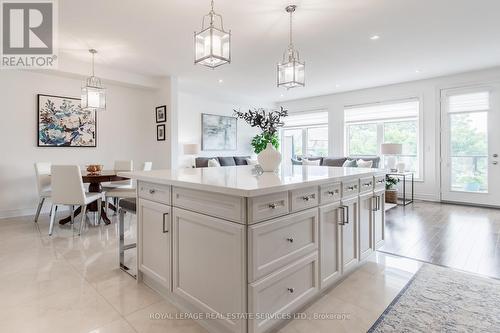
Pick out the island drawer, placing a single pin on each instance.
(276, 243)
(350, 188)
(154, 192)
(330, 193)
(282, 292)
(366, 184)
(214, 204)
(379, 182)
(304, 198)
(267, 207)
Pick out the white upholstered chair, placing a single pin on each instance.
(42, 172)
(68, 190)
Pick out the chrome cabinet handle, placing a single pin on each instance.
(306, 198)
(331, 193)
(272, 206)
(290, 239)
(290, 290)
(350, 188)
(165, 230)
(345, 215)
(374, 204)
(367, 184)
(152, 191)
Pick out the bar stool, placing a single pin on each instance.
(127, 205)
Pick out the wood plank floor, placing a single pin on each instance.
(462, 237)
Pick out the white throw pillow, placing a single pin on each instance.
(364, 164)
(251, 162)
(305, 161)
(213, 162)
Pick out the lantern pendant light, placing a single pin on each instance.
(93, 93)
(291, 69)
(212, 45)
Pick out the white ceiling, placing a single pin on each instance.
(155, 37)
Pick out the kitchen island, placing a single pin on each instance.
(242, 250)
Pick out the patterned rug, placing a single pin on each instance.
(440, 299)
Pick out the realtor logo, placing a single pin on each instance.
(28, 34)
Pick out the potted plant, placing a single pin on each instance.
(391, 191)
(266, 143)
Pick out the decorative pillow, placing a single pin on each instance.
(349, 164)
(364, 164)
(251, 162)
(213, 162)
(305, 161)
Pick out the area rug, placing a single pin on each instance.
(440, 299)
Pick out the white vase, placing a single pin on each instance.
(269, 159)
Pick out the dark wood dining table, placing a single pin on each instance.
(95, 181)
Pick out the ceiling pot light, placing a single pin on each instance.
(291, 71)
(212, 45)
(93, 93)
(375, 37)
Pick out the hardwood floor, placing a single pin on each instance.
(462, 237)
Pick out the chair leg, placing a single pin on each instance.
(99, 207)
(116, 206)
(72, 210)
(121, 231)
(50, 212)
(84, 215)
(106, 203)
(39, 208)
(52, 219)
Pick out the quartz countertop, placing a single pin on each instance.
(245, 181)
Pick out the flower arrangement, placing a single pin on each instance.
(268, 122)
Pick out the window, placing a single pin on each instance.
(305, 134)
(368, 126)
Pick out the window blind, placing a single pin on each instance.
(376, 112)
(478, 101)
(303, 119)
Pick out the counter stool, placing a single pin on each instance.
(125, 205)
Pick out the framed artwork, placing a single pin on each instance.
(63, 123)
(161, 114)
(160, 132)
(218, 132)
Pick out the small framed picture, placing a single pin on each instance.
(160, 132)
(161, 114)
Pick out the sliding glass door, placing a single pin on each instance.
(470, 144)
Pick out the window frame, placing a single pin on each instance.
(304, 129)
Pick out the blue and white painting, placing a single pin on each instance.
(63, 123)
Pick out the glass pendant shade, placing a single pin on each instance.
(291, 71)
(93, 93)
(212, 44)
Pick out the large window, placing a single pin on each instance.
(305, 134)
(368, 126)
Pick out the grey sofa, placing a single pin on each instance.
(202, 162)
(339, 161)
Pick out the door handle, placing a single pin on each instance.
(494, 162)
(495, 155)
(165, 230)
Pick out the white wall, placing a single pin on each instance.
(126, 130)
(190, 108)
(429, 93)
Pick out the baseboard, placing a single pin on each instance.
(427, 197)
(28, 211)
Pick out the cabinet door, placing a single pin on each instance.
(349, 233)
(379, 219)
(155, 241)
(209, 266)
(329, 254)
(365, 225)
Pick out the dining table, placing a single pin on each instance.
(95, 180)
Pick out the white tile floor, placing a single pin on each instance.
(72, 284)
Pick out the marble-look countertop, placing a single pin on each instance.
(244, 181)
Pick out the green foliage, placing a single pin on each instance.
(363, 139)
(466, 139)
(391, 182)
(260, 141)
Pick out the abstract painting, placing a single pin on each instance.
(218, 132)
(63, 123)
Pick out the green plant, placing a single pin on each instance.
(391, 182)
(260, 141)
(471, 179)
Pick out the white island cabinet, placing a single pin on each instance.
(247, 250)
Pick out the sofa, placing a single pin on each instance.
(202, 162)
(339, 161)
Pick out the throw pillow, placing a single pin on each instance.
(349, 164)
(305, 161)
(364, 164)
(213, 162)
(251, 162)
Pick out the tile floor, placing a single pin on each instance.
(72, 284)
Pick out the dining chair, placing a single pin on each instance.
(42, 172)
(68, 190)
(121, 166)
(124, 193)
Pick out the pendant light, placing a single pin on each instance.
(291, 69)
(93, 93)
(212, 44)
